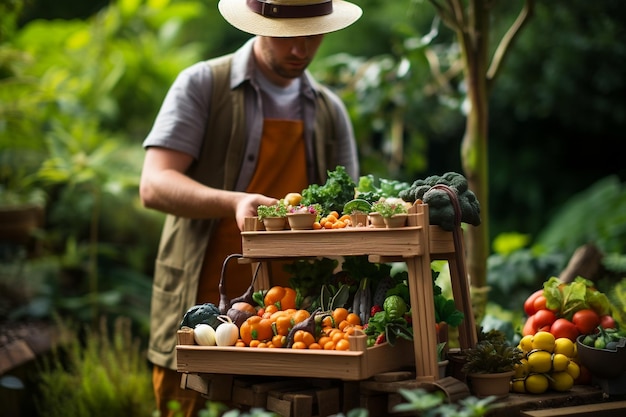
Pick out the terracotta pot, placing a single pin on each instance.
(301, 221)
(397, 220)
(359, 219)
(484, 385)
(274, 223)
(376, 220)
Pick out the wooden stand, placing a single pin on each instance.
(413, 244)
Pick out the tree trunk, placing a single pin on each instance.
(474, 156)
(470, 21)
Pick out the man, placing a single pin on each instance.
(234, 133)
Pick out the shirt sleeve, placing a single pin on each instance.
(181, 121)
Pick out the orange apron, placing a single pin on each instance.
(281, 169)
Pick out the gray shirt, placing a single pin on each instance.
(181, 122)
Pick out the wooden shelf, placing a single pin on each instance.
(416, 244)
(353, 365)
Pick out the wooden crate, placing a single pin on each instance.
(358, 364)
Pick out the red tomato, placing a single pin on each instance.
(564, 328)
(529, 327)
(529, 307)
(544, 319)
(540, 303)
(607, 322)
(586, 320)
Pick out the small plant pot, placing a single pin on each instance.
(273, 224)
(359, 219)
(301, 221)
(457, 360)
(376, 220)
(443, 366)
(485, 385)
(397, 220)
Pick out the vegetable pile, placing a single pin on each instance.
(319, 310)
(567, 310)
(549, 363)
(608, 339)
(557, 315)
(340, 196)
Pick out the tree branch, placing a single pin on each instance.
(446, 15)
(459, 15)
(503, 47)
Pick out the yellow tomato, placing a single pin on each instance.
(536, 384)
(518, 386)
(561, 381)
(540, 361)
(526, 344)
(560, 362)
(543, 341)
(522, 369)
(573, 369)
(565, 346)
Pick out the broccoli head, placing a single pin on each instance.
(440, 207)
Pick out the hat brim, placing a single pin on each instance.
(237, 13)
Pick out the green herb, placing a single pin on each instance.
(334, 194)
(492, 356)
(389, 207)
(371, 189)
(277, 210)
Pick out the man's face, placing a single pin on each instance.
(283, 59)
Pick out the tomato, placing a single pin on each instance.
(586, 320)
(529, 327)
(540, 303)
(543, 319)
(607, 322)
(529, 307)
(564, 328)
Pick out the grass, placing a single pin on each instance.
(101, 372)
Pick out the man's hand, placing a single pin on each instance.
(246, 207)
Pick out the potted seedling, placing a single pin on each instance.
(394, 211)
(358, 210)
(490, 365)
(273, 217)
(302, 217)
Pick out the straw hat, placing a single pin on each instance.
(289, 18)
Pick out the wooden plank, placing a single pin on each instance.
(441, 242)
(328, 401)
(402, 242)
(606, 409)
(14, 354)
(214, 387)
(290, 404)
(344, 365)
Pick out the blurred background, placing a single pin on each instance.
(81, 83)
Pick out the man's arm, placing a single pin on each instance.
(165, 187)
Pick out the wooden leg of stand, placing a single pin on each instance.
(423, 316)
